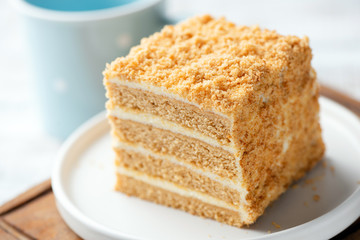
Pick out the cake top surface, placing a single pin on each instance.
(211, 62)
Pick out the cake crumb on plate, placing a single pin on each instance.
(316, 198)
(276, 225)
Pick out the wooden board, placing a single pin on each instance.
(33, 214)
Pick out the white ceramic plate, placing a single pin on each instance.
(83, 181)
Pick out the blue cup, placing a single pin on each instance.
(69, 43)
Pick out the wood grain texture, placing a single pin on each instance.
(33, 214)
(26, 196)
(5, 234)
(12, 231)
(40, 220)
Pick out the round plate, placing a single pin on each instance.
(319, 206)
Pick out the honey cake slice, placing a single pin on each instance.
(213, 118)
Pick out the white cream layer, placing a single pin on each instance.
(159, 91)
(175, 189)
(158, 122)
(224, 181)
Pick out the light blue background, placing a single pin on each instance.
(67, 59)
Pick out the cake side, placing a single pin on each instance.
(169, 153)
(281, 140)
(150, 143)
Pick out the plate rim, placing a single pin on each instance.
(349, 207)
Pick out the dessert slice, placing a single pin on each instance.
(213, 118)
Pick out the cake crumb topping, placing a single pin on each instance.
(212, 62)
(316, 198)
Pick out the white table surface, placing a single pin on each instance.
(27, 152)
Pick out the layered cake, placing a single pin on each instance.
(214, 119)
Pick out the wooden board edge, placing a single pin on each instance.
(342, 98)
(25, 197)
(12, 231)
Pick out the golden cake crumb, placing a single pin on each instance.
(324, 164)
(213, 62)
(309, 181)
(276, 225)
(316, 198)
(332, 169)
